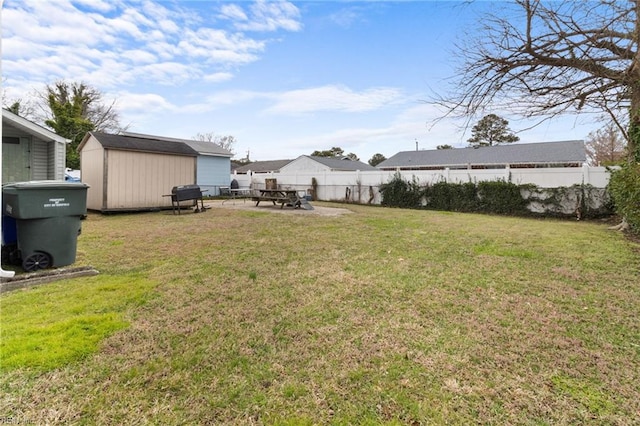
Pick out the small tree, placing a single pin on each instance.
(491, 130)
(445, 146)
(376, 159)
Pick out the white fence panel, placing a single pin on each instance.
(364, 186)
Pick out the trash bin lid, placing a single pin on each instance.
(44, 184)
(43, 199)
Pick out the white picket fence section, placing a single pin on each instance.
(361, 186)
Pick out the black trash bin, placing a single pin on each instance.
(48, 218)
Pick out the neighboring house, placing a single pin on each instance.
(213, 163)
(272, 166)
(133, 173)
(308, 163)
(514, 155)
(30, 152)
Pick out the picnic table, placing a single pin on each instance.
(284, 197)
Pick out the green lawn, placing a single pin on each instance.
(382, 316)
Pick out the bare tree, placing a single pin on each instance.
(225, 142)
(605, 146)
(541, 59)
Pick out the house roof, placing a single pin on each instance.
(342, 163)
(142, 144)
(517, 153)
(263, 166)
(31, 128)
(201, 147)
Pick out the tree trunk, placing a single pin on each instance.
(633, 142)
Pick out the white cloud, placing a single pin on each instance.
(129, 43)
(233, 12)
(334, 98)
(218, 77)
(143, 103)
(266, 16)
(139, 56)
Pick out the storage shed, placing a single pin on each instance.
(212, 166)
(133, 173)
(29, 151)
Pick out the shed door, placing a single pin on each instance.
(15, 159)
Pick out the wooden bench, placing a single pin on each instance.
(184, 193)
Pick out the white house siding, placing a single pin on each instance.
(213, 172)
(136, 180)
(39, 160)
(305, 165)
(57, 160)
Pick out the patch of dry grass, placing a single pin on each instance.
(382, 316)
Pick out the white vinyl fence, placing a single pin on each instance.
(363, 187)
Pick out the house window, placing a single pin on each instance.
(11, 140)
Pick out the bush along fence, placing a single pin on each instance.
(498, 197)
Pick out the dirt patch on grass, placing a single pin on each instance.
(268, 207)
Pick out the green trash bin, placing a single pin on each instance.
(48, 218)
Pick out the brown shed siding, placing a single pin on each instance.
(137, 180)
(92, 160)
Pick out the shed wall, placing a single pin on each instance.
(93, 173)
(136, 180)
(213, 172)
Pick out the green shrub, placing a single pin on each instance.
(459, 197)
(501, 197)
(401, 193)
(624, 188)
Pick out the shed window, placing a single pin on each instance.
(11, 140)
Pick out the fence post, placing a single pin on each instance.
(585, 175)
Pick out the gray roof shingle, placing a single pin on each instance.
(263, 166)
(201, 147)
(143, 144)
(518, 153)
(342, 164)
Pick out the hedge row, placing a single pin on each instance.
(494, 197)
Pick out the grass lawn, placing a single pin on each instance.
(381, 316)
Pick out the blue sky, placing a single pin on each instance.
(283, 78)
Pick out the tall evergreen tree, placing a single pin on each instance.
(491, 130)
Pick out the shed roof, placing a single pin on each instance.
(201, 147)
(141, 144)
(342, 163)
(263, 166)
(30, 127)
(562, 152)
